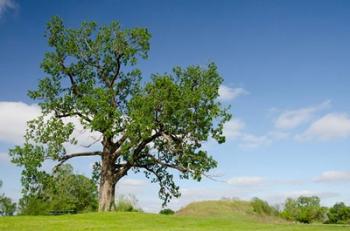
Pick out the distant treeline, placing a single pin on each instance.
(305, 209)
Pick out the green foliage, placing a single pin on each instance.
(262, 207)
(7, 207)
(304, 209)
(33, 205)
(61, 191)
(166, 212)
(127, 204)
(149, 126)
(339, 214)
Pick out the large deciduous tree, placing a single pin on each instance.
(151, 126)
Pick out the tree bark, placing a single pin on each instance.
(107, 183)
(107, 195)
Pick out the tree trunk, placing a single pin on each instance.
(107, 195)
(107, 184)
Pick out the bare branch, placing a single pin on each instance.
(117, 71)
(118, 144)
(94, 142)
(70, 156)
(168, 165)
(64, 115)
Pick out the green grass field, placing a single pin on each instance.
(198, 216)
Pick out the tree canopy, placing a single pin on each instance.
(145, 124)
(61, 191)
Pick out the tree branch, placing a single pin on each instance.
(67, 157)
(168, 165)
(117, 71)
(64, 115)
(118, 144)
(143, 144)
(70, 76)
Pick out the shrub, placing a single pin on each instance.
(339, 214)
(127, 204)
(7, 207)
(262, 207)
(166, 212)
(60, 191)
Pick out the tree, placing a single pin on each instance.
(339, 214)
(149, 126)
(7, 207)
(304, 209)
(61, 191)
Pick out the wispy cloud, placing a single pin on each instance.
(246, 181)
(330, 126)
(6, 5)
(293, 118)
(333, 177)
(132, 182)
(233, 128)
(228, 93)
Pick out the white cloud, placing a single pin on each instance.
(132, 182)
(253, 141)
(228, 93)
(328, 127)
(128, 186)
(13, 123)
(7, 5)
(333, 177)
(84, 137)
(233, 128)
(293, 118)
(246, 181)
(13, 118)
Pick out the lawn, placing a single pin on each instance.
(146, 222)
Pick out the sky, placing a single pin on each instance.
(286, 70)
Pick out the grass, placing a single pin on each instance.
(210, 215)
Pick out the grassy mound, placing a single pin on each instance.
(230, 209)
(217, 209)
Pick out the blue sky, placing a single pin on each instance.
(287, 77)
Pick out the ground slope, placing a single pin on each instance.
(202, 216)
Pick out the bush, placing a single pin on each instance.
(127, 204)
(262, 207)
(304, 209)
(339, 214)
(166, 212)
(61, 191)
(33, 205)
(7, 207)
